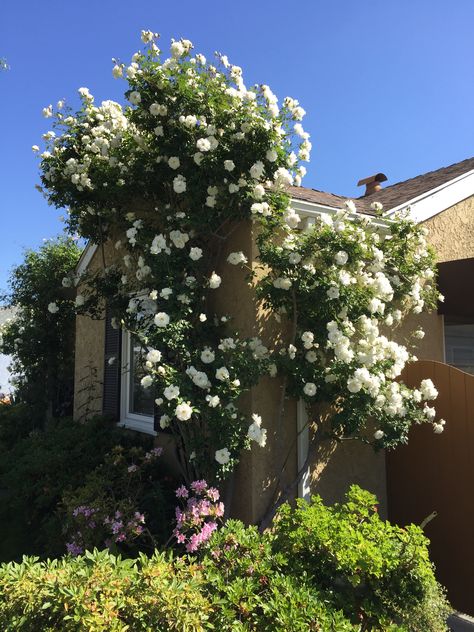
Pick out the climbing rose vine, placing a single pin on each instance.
(167, 179)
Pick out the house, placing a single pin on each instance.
(107, 375)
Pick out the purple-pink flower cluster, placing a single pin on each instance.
(122, 529)
(198, 519)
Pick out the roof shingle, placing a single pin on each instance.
(391, 196)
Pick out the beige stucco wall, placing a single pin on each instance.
(90, 346)
(451, 232)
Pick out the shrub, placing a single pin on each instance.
(40, 337)
(123, 504)
(376, 572)
(101, 592)
(36, 470)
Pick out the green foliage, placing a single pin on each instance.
(324, 569)
(41, 343)
(254, 591)
(39, 468)
(374, 571)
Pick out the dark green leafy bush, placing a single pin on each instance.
(38, 469)
(376, 572)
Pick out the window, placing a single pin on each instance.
(459, 342)
(137, 403)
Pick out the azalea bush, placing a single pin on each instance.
(167, 179)
(46, 474)
(124, 504)
(40, 336)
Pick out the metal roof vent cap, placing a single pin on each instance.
(372, 183)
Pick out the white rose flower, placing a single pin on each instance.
(222, 456)
(146, 381)
(439, 427)
(341, 257)
(214, 281)
(309, 389)
(271, 155)
(229, 165)
(183, 411)
(174, 162)
(222, 374)
(213, 400)
(161, 319)
(207, 356)
(159, 130)
(378, 434)
(164, 421)
(80, 300)
(166, 293)
(195, 253)
(153, 356)
(202, 318)
(333, 292)
(257, 169)
(179, 184)
(171, 392)
(236, 257)
(203, 144)
(53, 308)
(428, 390)
(292, 218)
(135, 97)
(48, 111)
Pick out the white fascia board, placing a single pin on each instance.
(85, 259)
(439, 199)
(309, 210)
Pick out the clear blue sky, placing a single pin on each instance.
(387, 85)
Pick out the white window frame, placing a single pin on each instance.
(304, 486)
(134, 421)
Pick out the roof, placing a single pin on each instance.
(391, 196)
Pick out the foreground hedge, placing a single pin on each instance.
(327, 569)
(102, 592)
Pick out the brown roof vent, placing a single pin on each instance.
(372, 183)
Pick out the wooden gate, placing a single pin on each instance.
(436, 473)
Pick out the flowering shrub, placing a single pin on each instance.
(198, 520)
(327, 569)
(121, 506)
(39, 470)
(345, 284)
(167, 179)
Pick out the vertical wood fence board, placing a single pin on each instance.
(436, 473)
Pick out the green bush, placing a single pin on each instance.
(38, 469)
(100, 592)
(324, 569)
(375, 572)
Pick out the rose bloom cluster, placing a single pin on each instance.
(199, 518)
(164, 178)
(353, 280)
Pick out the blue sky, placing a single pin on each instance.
(387, 85)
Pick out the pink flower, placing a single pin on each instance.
(182, 492)
(199, 486)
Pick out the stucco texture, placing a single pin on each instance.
(90, 347)
(451, 232)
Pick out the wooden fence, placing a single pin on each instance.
(436, 473)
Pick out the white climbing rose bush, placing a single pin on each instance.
(167, 179)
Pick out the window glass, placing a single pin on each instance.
(459, 343)
(141, 399)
